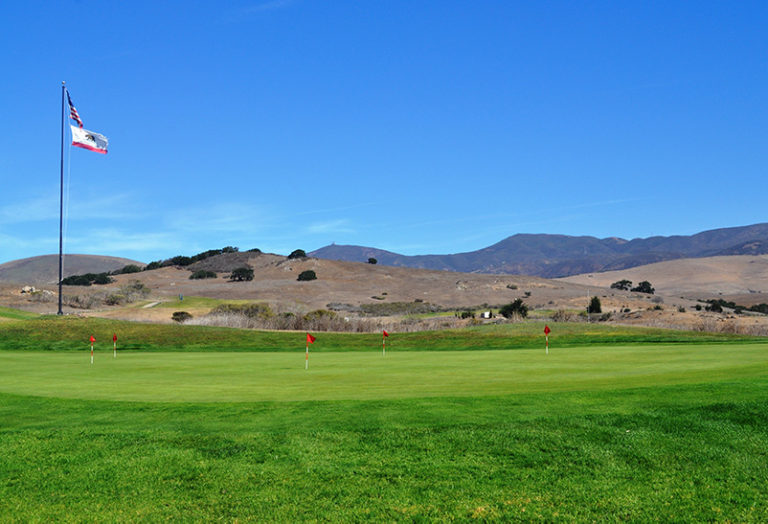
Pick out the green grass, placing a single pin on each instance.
(73, 333)
(692, 452)
(671, 429)
(281, 377)
(16, 314)
(198, 302)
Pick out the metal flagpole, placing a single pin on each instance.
(61, 200)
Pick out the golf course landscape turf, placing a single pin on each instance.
(613, 424)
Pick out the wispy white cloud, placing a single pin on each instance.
(114, 240)
(331, 226)
(237, 14)
(45, 208)
(269, 5)
(220, 218)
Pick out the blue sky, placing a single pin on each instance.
(413, 126)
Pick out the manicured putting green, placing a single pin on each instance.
(256, 377)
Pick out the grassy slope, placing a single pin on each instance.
(72, 333)
(694, 452)
(16, 314)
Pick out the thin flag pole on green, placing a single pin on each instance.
(310, 340)
(384, 336)
(547, 331)
(92, 341)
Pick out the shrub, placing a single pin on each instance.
(130, 268)
(87, 279)
(624, 285)
(562, 315)
(103, 278)
(114, 299)
(715, 307)
(157, 264)
(594, 306)
(514, 309)
(201, 274)
(180, 261)
(307, 275)
(372, 260)
(253, 310)
(240, 274)
(79, 301)
(643, 287)
(299, 253)
(466, 314)
(180, 316)
(133, 291)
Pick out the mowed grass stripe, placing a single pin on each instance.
(281, 377)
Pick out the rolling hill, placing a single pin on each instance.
(552, 256)
(742, 279)
(45, 269)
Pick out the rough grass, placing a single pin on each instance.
(16, 314)
(73, 333)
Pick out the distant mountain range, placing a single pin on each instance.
(552, 256)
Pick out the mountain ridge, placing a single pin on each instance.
(554, 256)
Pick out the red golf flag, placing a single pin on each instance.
(92, 339)
(547, 331)
(385, 333)
(310, 338)
(114, 337)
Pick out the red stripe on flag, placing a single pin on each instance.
(90, 148)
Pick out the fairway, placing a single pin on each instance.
(281, 377)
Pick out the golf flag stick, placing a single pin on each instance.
(310, 340)
(384, 336)
(114, 345)
(92, 341)
(546, 337)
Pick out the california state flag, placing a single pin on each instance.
(89, 140)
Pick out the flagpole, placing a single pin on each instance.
(61, 200)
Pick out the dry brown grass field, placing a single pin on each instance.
(679, 284)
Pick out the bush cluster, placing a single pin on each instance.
(241, 274)
(201, 274)
(643, 287)
(717, 304)
(182, 260)
(88, 279)
(252, 310)
(180, 316)
(307, 275)
(514, 309)
(128, 293)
